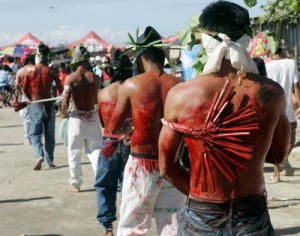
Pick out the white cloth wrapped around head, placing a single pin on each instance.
(236, 52)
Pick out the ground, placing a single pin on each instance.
(35, 202)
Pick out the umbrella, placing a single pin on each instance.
(15, 51)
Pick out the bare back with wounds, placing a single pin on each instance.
(37, 83)
(188, 104)
(145, 94)
(84, 86)
(20, 77)
(107, 100)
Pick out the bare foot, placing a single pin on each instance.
(38, 166)
(108, 233)
(73, 190)
(272, 179)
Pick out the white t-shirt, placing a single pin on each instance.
(285, 73)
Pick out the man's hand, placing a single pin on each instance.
(298, 113)
(65, 115)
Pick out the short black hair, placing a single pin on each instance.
(10, 59)
(121, 67)
(260, 64)
(29, 60)
(279, 51)
(225, 17)
(44, 49)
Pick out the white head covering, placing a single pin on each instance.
(38, 57)
(234, 51)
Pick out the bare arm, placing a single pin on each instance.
(18, 87)
(66, 97)
(296, 98)
(280, 141)
(168, 144)
(26, 86)
(57, 81)
(99, 109)
(122, 109)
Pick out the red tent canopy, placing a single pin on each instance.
(92, 41)
(174, 40)
(28, 40)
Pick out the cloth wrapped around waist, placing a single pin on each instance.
(87, 116)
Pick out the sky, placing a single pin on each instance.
(64, 21)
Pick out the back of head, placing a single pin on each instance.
(42, 54)
(278, 53)
(260, 65)
(10, 59)
(225, 17)
(121, 67)
(29, 60)
(155, 54)
(7, 68)
(111, 49)
(79, 55)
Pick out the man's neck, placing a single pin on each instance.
(276, 57)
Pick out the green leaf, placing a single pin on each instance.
(125, 52)
(200, 61)
(273, 41)
(137, 33)
(194, 20)
(185, 36)
(250, 3)
(131, 38)
(154, 42)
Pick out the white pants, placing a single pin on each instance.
(83, 130)
(25, 117)
(146, 194)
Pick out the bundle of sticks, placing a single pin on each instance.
(224, 147)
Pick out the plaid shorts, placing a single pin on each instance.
(293, 126)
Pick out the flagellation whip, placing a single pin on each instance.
(20, 105)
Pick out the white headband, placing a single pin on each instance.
(236, 52)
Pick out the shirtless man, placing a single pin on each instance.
(20, 76)
(110, 171)
(84, 127)
(228, 146)
(36, 86)
(142, 192)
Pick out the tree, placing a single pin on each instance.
(282, 11)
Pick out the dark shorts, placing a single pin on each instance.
(247, 217)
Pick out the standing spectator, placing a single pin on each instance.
(285, 72)
(62, 77)
(36, 86)
(14, 67)
(229, 117)
(97, 68)
(106, 64)
(5, 78)
(84, 127)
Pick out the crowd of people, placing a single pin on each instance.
(188, 153)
